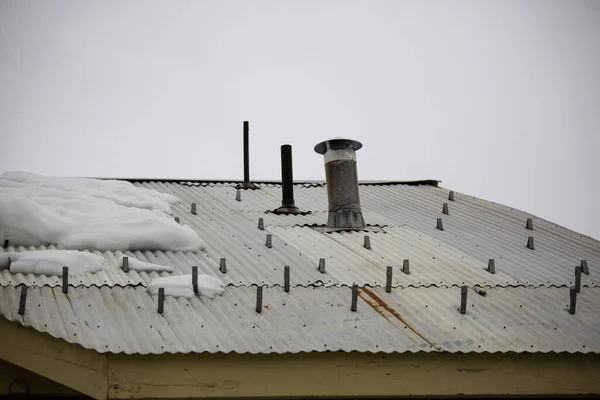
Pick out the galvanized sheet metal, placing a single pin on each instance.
(125, 320)
(525, 304)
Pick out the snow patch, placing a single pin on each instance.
(141, 266)
(78, 213)
(51, 262)
(181, 286)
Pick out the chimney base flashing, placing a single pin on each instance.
(346, 219)
(287, 210)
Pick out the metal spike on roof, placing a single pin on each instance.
(573, 304)
(388, 279)
(406, 267)
(125, 264)
(440, 225)
(367, 243)
(445, 209)
(269, 242)
(321, 267)
(530, 244)
(259, 298)
(584, 267)
(451, 196)
(22, 300)
(238, 195)
(354, 303)
(193, 208)
(261, 224)
(177, 220)
(195, 279)
(491, 266)
(529, 224)
(65, 277)
(161, 300)
(578, 278)
(223, 265)
(463, 299)
(286, 278)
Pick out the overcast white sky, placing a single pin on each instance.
(498, 99)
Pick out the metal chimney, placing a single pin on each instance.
(342, 183)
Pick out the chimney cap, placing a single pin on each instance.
(337, 143)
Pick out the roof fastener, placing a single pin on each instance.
(286, 278)
(259, 298)
(388, 279)
(23, 300)
(223, 265)
(367, 243)
(161, 300)
(261, 224)
(491, 266)
(573, 293)
(445, 209)
(238, 195)
(530, 243)
(406, 267)
(125, 264)
(321, 267)
(578, 279)
(451, 196)
(529, 224)
(440, 226)
(463, 299)
(65, 276)
(354, 297)
(177, 220)
(195, 279)
(193, 208)
(269, 242)
(584, 267)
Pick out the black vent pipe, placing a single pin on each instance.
(247, 184)
(287, 182)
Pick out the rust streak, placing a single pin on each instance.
(376, 307)
(53, 294)
(380, 303)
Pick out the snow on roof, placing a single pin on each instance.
(51, 262)
(76, 213)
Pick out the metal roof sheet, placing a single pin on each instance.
(125, 320)
(402, 219)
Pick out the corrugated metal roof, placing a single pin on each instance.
(404, 216)
(314, 319)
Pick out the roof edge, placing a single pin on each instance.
(429, 182)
